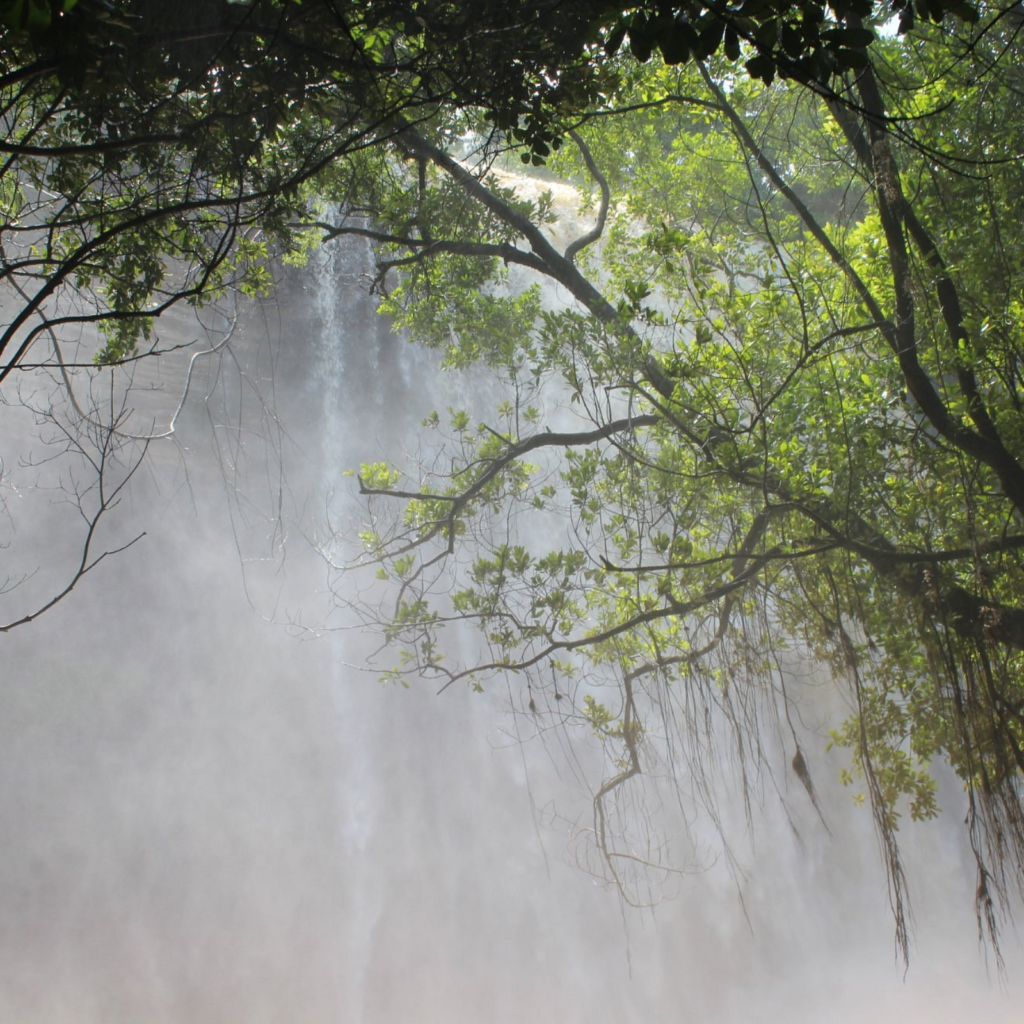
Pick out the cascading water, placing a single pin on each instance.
(206, 820)
(808, 919)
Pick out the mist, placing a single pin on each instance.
(210, 813)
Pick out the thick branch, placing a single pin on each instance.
(555, 265)
(986, 446)
(901, 334)
(577, 246)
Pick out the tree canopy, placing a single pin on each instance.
(137, 132)
(777, 422)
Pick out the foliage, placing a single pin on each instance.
(792, 40)
(138, 132)
(779, 424)
(783, 408)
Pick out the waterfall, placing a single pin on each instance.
(514, 929)
(207, 819)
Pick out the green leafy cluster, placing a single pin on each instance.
(777, 430)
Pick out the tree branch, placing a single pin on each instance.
(577, 246)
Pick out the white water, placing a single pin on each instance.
(205, 819)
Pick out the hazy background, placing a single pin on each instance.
(206, 816)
